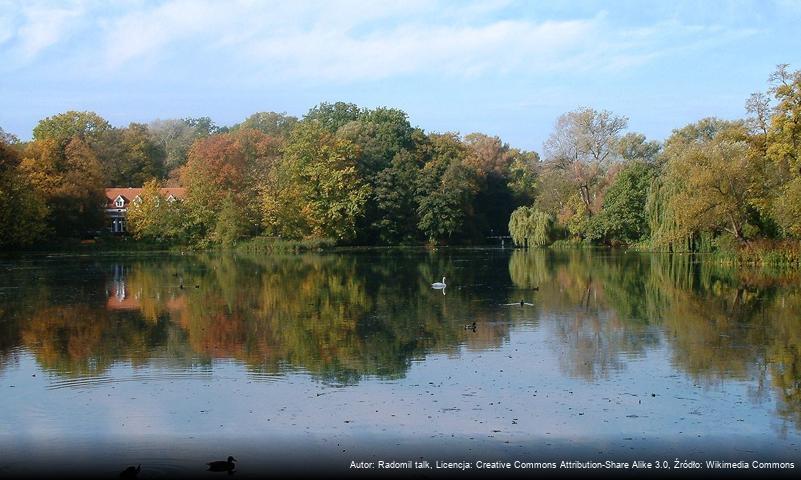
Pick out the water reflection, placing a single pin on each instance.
(344, 317)
(720, 323)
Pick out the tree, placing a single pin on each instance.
(395, 201)
(235, 163)
(492, 160)
(70, 180)
(445, 190)
(231, 225)
(523, 174)
(87, 126)
(146, 214)
(8, 138)
(270, 123)
(634, 146)
(204, 126)
(380, 135)
(332, 116)
(316, 190)
(136, 157)
(583, 144)
(530, 227)
(623, 217)
(784, 133)
(709, 162)
(176, 137)
(783, 149)
(22, 210)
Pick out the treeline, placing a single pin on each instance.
(345, 173)
(366, 176)
(714, 185)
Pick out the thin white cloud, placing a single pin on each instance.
(345, 41)
(44, 26)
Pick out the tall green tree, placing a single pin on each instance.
(87, 126)
(332, 116)
(395, 200)
(380, 135)
(271, 123)
(131, 157)
(445, 191)
(623, 216)
(315, 190)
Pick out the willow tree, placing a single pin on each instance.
(530, 227)
(709, 164)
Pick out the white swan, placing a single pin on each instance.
(439, 284)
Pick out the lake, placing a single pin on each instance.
(310, 362)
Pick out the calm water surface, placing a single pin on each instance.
(172, 361)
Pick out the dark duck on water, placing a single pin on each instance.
(222, 465)
(131, 472)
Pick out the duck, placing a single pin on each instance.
(131, 472)
(471, 326)
(222, 465)
(439, 284)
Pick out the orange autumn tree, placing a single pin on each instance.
(69, 177)
(223, 176)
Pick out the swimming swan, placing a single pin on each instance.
(439, 284)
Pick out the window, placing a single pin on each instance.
(120, 202)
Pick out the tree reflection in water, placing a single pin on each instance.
(345, 316)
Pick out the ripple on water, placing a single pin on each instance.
(103, 380)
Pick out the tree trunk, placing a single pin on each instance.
(585, 197)
(737, 230)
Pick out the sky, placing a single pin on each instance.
(501, 67)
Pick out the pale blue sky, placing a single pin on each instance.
(505, 68)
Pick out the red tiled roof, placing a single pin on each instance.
(129, 193)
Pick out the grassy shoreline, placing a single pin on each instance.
(784, 253)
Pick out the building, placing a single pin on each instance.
(118, 199)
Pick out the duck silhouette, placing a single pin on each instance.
(439, 284)
(222, 465)
(131, 472)
(470, 326)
